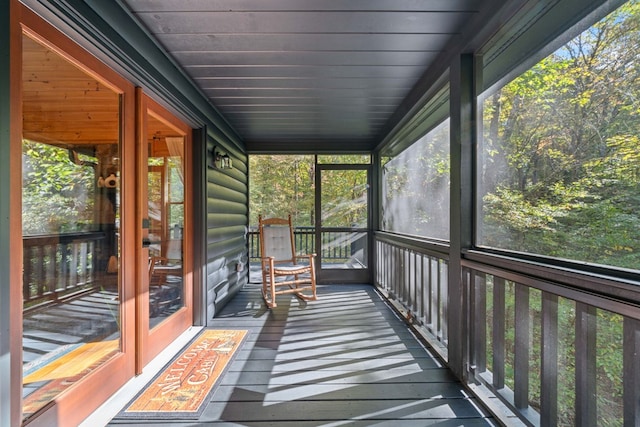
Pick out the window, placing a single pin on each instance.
(559, 165)
(415, 187)
(280, 185)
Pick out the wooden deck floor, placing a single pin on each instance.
(345, 359)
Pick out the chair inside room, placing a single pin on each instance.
(164, 285)
(156, 278)
(284, 272)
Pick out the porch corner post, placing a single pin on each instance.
(374, 209)
(10, 215)
(462, 134)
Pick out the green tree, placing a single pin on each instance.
(560, 158)
(57, 194)
(280, 185)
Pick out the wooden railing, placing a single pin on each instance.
(413, 274)
(556, 346)
(541, 344)
(305, 242)
(58, 265)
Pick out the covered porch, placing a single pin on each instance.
(489, 275)
(346, 359)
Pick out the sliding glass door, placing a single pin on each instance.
(105, 204)
(75, 308)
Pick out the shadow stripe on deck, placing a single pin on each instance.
(344, 360)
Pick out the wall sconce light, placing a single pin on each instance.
(221, 160)
(226, 162)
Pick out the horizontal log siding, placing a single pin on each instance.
(226, 228)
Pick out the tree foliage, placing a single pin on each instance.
(416, 185)
(57, 194)
(280, 185)
(560, 155)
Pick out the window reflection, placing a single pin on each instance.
(165, 187)
(70, 212)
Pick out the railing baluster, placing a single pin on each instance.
(549, 380)
(466, 346)
(40, 276)
(416, 284)
(390, 264)
(480, 329)
(498, 332)
(420, 312)
(424, 289)
(521, 363)
(398, 272)
(410, 280)
(468, 298)
(28, 274)
(406, 277)
(585, 344)
(430, 296)
(439, 301)
(631, 349)
(436, 300)
(443, 306)
(73, 278)
(52, 270)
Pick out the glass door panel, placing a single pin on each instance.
(165, 188)
(71, 214)
(344, 223)
(164, 298)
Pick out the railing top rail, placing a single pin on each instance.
(626, 291)
(428, 247)
(603, 300)
(42, 239)
(254, 229)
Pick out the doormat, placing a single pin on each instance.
(183, 387)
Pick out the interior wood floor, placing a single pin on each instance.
(343, 360)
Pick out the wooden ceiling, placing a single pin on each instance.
(62, 105)
(66, 107)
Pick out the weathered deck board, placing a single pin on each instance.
(345, 359)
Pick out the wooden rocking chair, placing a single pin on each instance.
(281, 274)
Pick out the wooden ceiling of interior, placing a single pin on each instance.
(64, 106)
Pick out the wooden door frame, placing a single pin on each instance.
(149, 343)
(82, 398)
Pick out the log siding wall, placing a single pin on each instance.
(226, 228)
